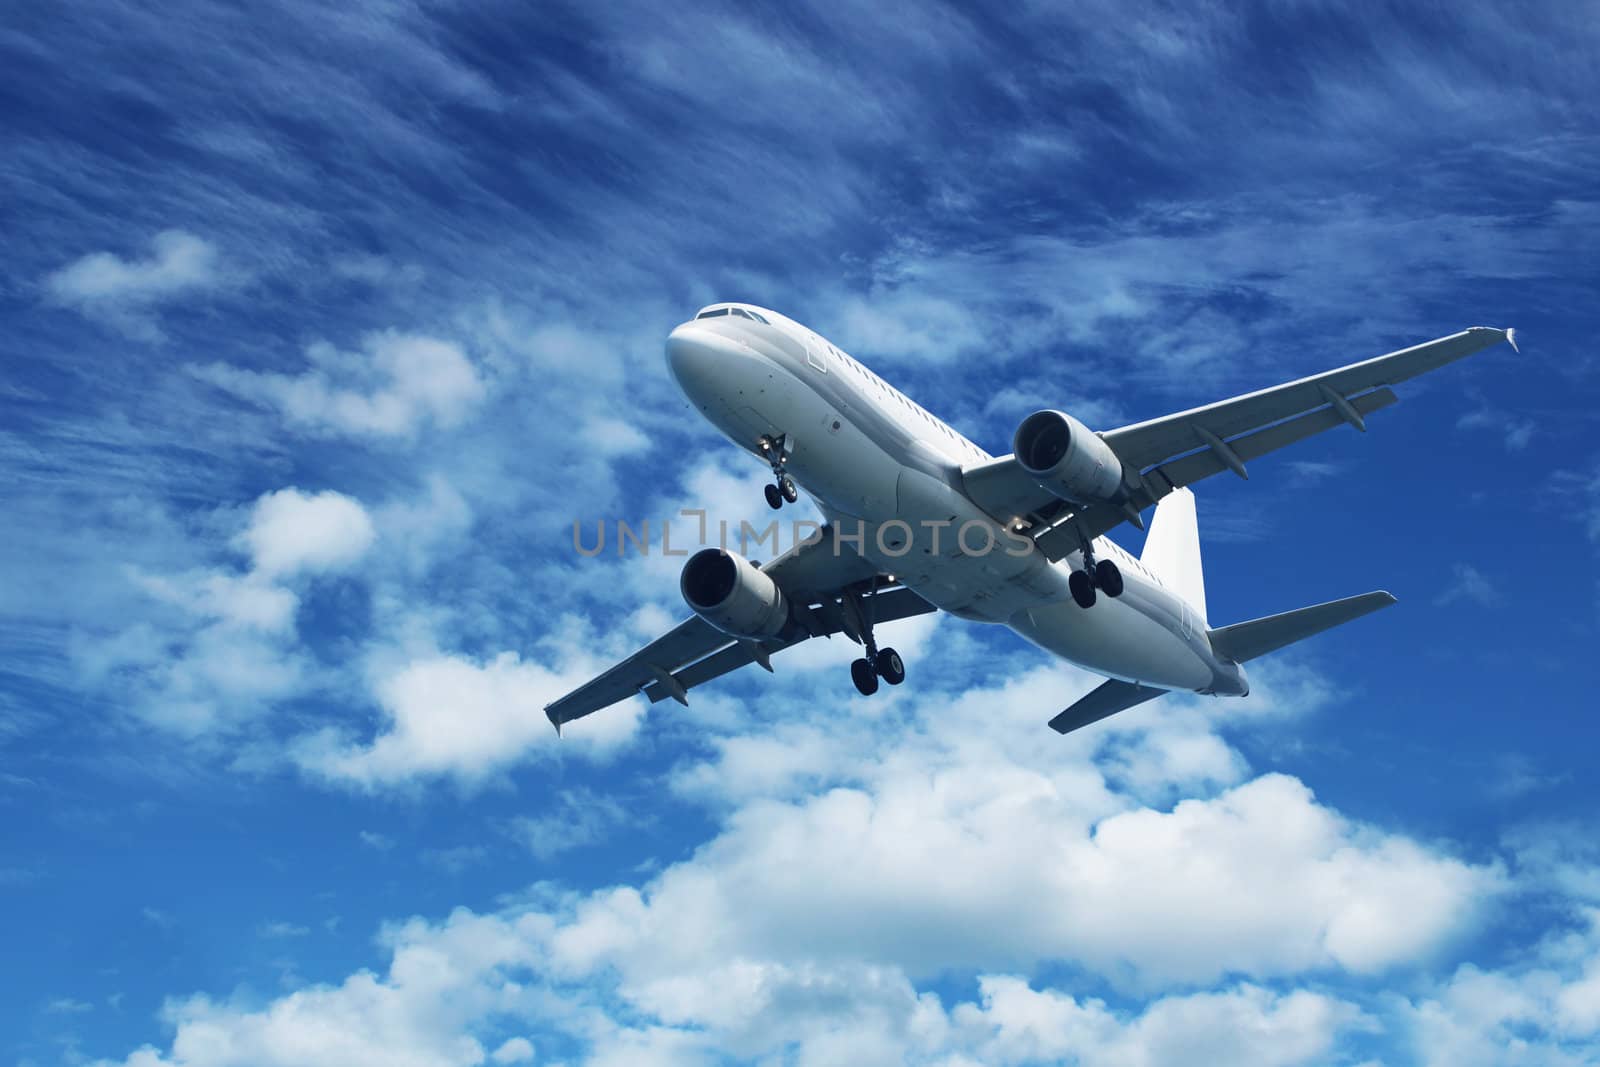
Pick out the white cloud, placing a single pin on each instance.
(898, 324)
(448, 716)
(279, 930)
(577, 817)
(249, 601)
(611, 436)
(1247, 1026)
(452, 989)
(292, 532)
(1468, 584)
(125, 292)
(515, 1050)
(440, 981)
(68, 1006)
(390, 388)
(1515, 431)
(375, 840)
(950, 872)
(233, 651)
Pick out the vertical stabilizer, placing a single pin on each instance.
(1172, 548)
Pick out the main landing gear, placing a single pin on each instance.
(1102, 575)
(776, 451)
(878, 663)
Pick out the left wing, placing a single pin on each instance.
(825, 588)
(1162, 454)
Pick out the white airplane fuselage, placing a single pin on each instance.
(881, 467)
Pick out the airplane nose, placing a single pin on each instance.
(694, 356)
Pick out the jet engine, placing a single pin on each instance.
(733, 594)
(1067, 459)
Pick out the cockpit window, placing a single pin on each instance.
(758, 317)
(713, 313)
(741, 312)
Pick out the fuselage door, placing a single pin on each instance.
(816, 348)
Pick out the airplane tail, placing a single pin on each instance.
(1172, 549)
(1246, 640)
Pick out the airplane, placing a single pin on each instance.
(921, 519)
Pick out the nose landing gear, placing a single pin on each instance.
(776, 451)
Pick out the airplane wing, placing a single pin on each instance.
(1163, 454)
(824, 588)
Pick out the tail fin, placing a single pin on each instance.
(1172, 548)
(1246, 640)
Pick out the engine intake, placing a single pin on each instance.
(733, 594)
(1067, 459)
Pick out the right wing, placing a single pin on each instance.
(1160, 455)
(824, 587)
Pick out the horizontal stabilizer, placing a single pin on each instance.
(1246, 640)
(1107, 699)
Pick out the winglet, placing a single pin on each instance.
(1509, 334)
(555, 720)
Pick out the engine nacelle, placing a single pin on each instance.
(733, 594)
(1067, 459)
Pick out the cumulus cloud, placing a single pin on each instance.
(125, 292)
(1247, 1025)
(1543, 1009)
(450, 716)
(294, 532)
(439, 982)
(952, 872)
(395, 384)
(515, 1050)
(231, 648)
(452, 990)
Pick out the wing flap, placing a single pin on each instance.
(1203, 464)
(690, 640)
(1102, 702)
(1155, 440)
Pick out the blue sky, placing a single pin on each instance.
(322, 326)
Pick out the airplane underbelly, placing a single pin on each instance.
(954, 555)
(1115, 638)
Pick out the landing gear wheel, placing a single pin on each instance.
(774, 498)
(787, 487)
(891, 668)
(864, 676)
(1082, 588)
(1108, 577)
